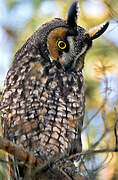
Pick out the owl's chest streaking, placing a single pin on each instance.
(45, 108)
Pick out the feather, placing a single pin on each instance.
(73, 14)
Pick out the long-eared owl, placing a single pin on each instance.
(44, 90)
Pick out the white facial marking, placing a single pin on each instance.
(82, 52)
(68, 56)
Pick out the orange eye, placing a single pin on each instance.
(61, 44)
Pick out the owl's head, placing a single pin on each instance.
(63, 42)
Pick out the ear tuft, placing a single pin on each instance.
(98, 30)
(73, 14)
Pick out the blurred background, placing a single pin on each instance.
(20, 18)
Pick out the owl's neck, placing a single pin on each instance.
(68, 68)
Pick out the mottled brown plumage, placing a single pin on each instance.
(44, 89)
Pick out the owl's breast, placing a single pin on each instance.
(62, 102)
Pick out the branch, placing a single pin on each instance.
(19, 153)
(41, 169)
(28, 158)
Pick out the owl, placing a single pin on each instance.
(43, 93)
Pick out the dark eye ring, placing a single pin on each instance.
(61, 44)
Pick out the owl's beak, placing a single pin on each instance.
(68, 67)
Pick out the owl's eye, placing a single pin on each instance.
(61, 45)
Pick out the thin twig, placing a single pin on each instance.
(94, 115)
(115, 133)
(65, 174)
(103, 135)
(89, 152)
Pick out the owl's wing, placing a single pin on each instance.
(21, 97)
(21, 100)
